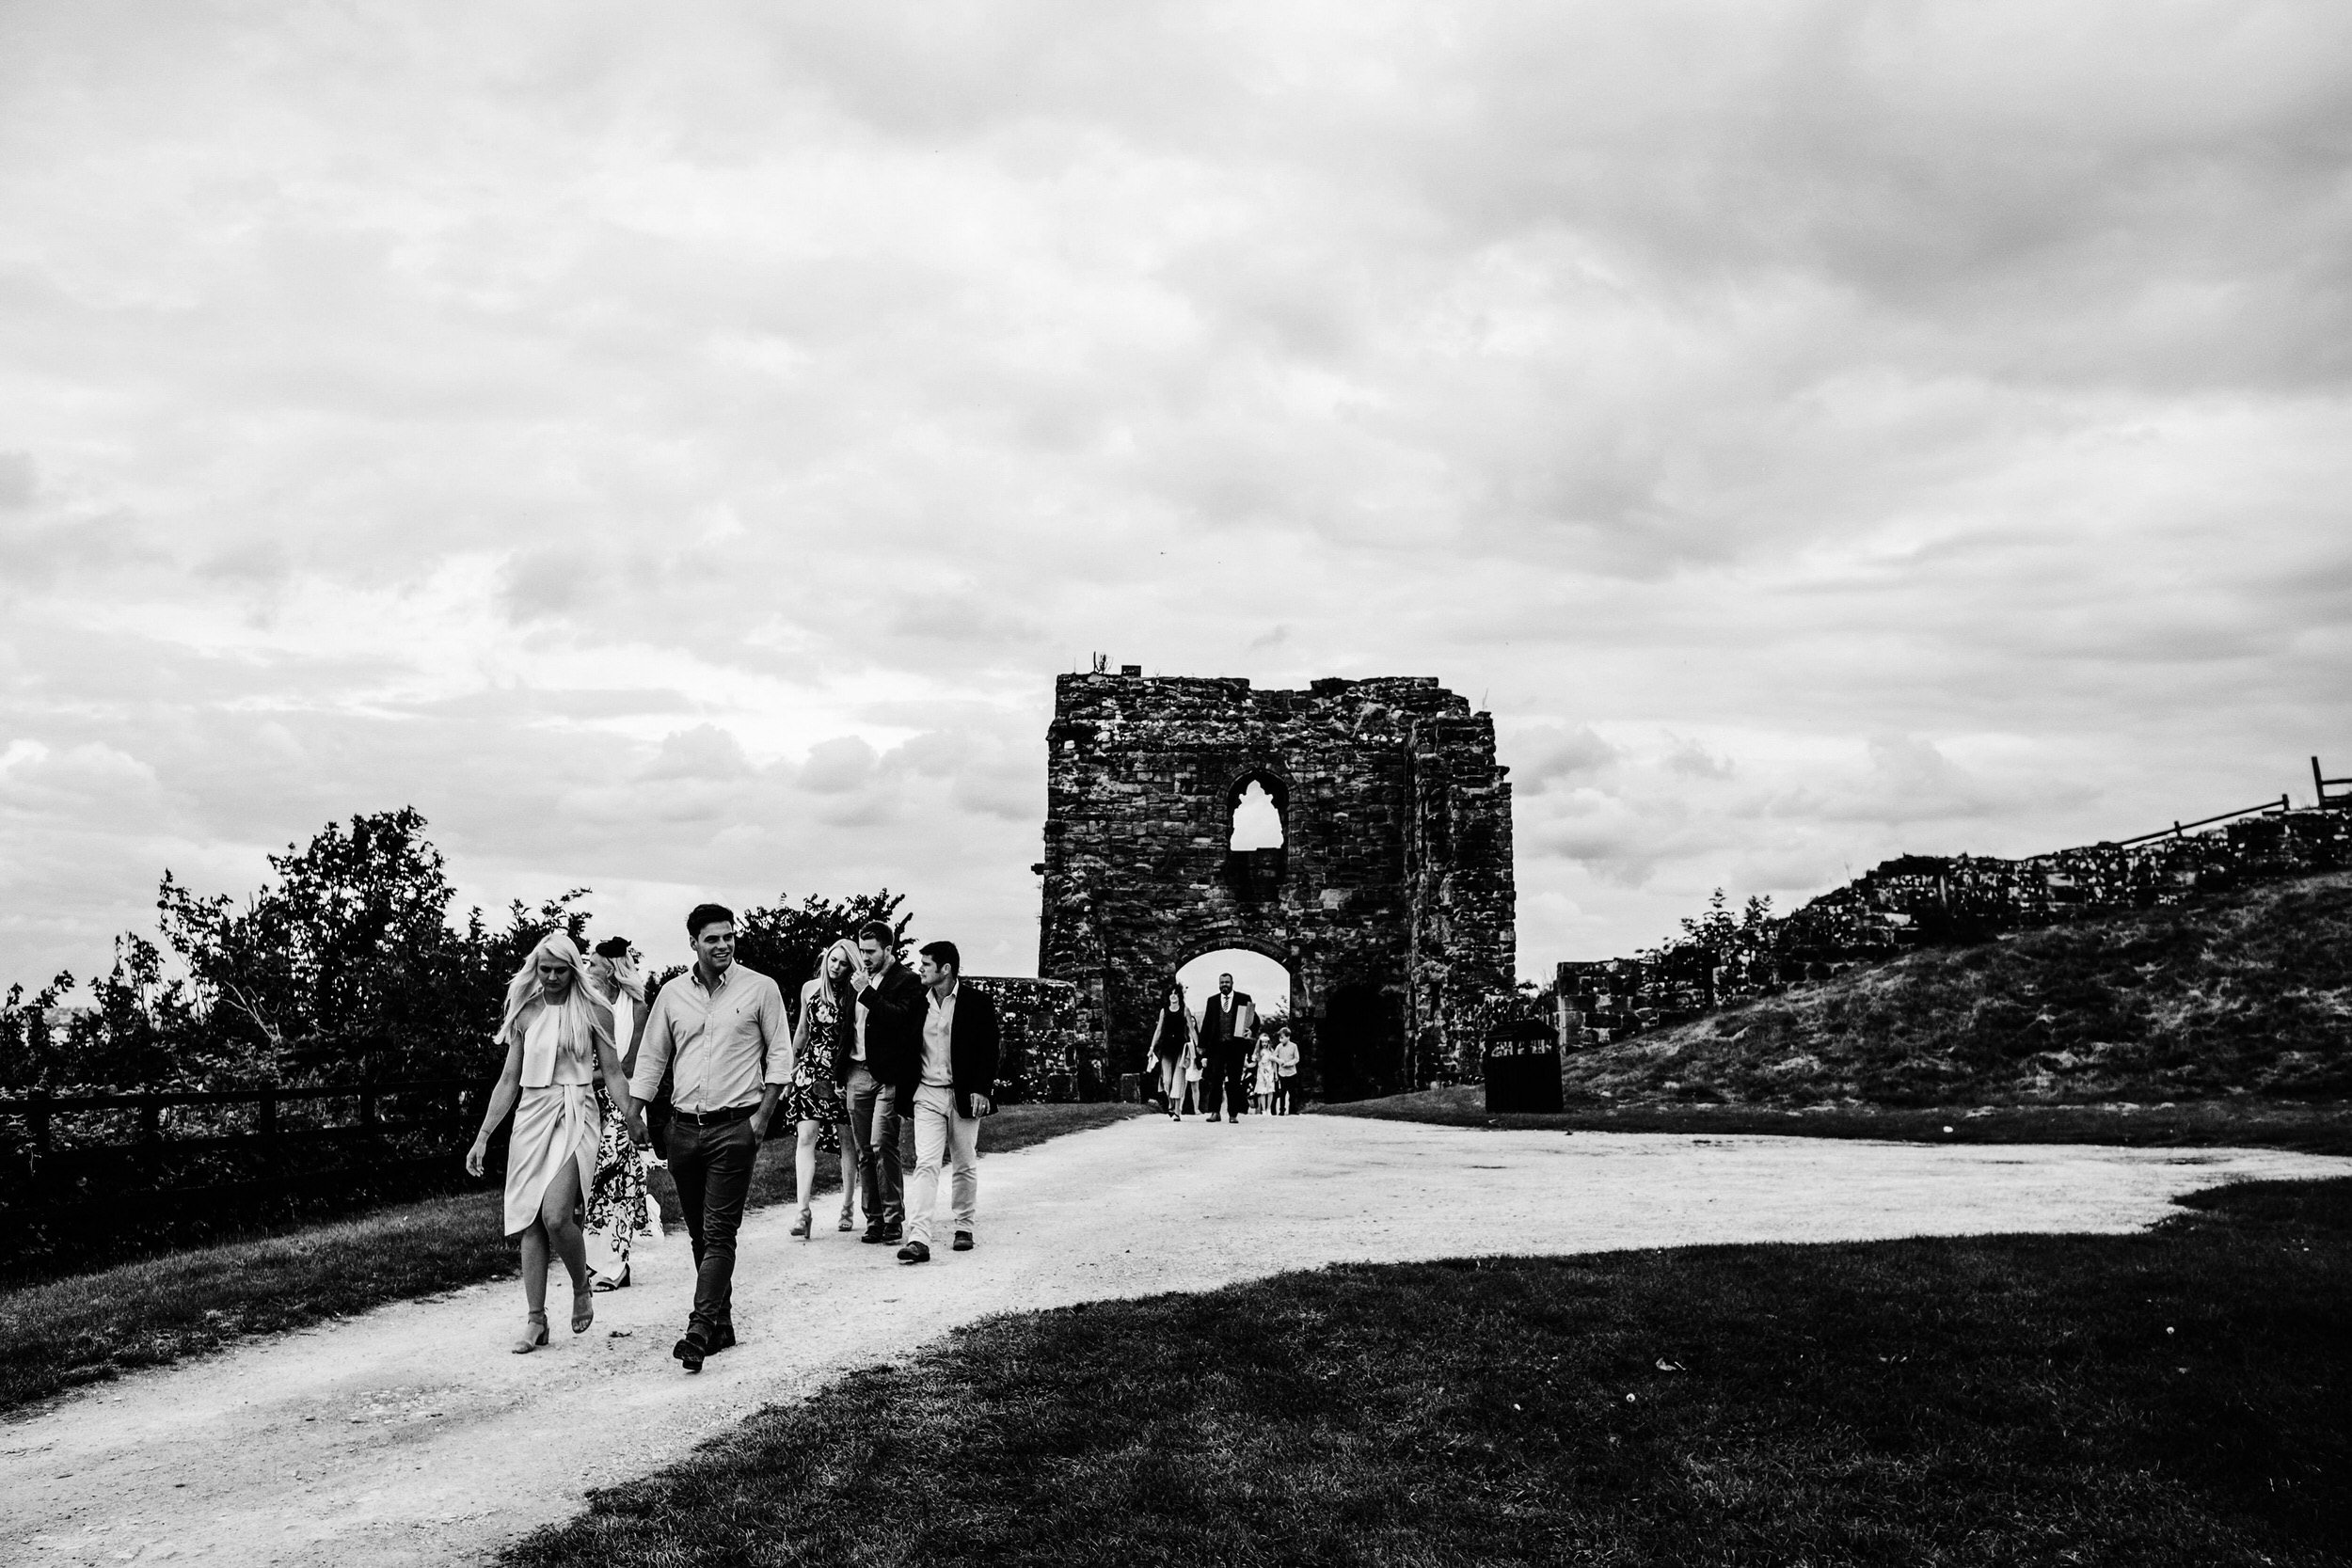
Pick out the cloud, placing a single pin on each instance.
(1546, 756)
(838, 765)
(685, 456)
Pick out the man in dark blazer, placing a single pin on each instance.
(948, 1087)
(890, 1003)
(1229, 1024)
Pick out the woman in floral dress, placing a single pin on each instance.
(813, 1100)
(620, 1208)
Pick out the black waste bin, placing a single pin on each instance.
(1522, 1068)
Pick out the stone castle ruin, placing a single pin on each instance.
(1389, 900)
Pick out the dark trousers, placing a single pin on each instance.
(712, 1167)
(874, 1144)
(1221, 1076)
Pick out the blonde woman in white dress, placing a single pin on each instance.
(556, 1037)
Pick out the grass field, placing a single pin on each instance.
(2242, 1121)
(63, 1333)
(2171, 1398)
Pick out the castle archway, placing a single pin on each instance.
(1265, 981)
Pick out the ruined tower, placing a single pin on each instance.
(1390, 902)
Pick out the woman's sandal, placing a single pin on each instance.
(535, 1333)
(849, 1218)
(801, 1226)
(600, 1283)
(583, 1311)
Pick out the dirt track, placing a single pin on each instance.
(411, 1435)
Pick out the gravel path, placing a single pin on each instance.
(410, 1434)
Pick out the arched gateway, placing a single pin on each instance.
(1388, 897)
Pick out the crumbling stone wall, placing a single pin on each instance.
(1046, 1024)
(1391, 901)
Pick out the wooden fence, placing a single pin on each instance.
(83, 1172)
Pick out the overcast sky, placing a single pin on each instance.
(675, 448)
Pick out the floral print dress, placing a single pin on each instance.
(814, 1093)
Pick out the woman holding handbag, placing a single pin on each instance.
(814, 1100)
(1172, 1048)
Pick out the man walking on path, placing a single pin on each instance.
(1228, 1024)
(889, 1045)
(720, 1030)
(949, 1089)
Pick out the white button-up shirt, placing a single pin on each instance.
(726, 1040)
(939, 1038)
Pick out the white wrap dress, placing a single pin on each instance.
(556, 1118)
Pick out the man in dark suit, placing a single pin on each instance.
(1228, 1025)
(949, 1087)
(890, 1003)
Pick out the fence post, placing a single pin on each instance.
(367, 1106)
(37, 1118)
(150, 1120)
(265, 1115)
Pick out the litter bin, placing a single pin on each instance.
(1522, 1068)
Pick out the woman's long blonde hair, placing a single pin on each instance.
(838, 992)
(579, 1013)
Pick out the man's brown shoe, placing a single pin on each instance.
(914, 1252)
(964, 1241)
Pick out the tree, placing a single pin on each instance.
(349, 960)
(345, 966)
(784, 942)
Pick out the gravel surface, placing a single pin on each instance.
(410, 1434)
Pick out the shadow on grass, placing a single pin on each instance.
(2171, 1397)
(155, 1310)
(2312, 1128)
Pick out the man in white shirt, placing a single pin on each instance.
(718, 1030)
(950, 1086)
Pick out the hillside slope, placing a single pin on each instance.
(2246, 994)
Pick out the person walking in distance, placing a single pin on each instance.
(889, 1038)
(949, 1085)
(1285, 1073)
(718, 1030)
(1229, 1024)
(816, 1103)
(1170, 1051)
(1262, 1078)
(555, 1039)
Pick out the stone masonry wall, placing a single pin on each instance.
(1391, 901)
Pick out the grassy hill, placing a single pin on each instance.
(2246, 994)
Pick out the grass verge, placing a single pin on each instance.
(2171, 1397)
(155, 1310)
(2239, 1121)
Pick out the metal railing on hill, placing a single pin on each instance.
(2282, 805)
